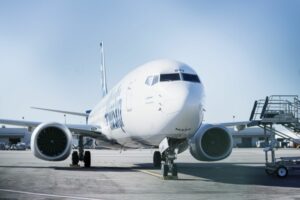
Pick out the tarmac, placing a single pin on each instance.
(116, 175)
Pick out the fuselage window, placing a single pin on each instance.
(169, 77)
(190, 78)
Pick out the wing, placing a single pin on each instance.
(238, 126)
(85, 130)
(62, 111)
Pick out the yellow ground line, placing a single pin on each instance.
(151, 173)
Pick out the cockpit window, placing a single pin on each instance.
(190, 77)
(155, 80)
(151, 80)
(169, 77)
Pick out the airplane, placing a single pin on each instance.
(159, 105)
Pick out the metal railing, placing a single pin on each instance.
(278, 109)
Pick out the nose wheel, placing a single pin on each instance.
(165, 170)
(169, 167)
(174, 171)
(166, 162)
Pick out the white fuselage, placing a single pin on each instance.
(150, 104)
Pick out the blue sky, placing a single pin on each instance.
(49, 51)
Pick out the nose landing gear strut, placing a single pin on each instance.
(166, 156)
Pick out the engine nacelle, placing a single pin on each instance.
(211, 143)
(51, 142)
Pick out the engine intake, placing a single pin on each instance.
(211, 143)
(51, 141)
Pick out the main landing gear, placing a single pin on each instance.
(157, 159)
(81, 155)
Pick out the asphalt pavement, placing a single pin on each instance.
(116, 175)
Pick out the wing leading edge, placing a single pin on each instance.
(85, 130)
(62, 111)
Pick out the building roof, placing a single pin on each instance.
(248, 132)
(259, 132)
(8, 132)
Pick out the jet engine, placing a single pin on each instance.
(51, 142)
(211, 143)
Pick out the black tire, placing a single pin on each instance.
(75, 158)
(157, 159)
(282, 172)
(164, 170)
(174, 170)
(87, 159)
(163, 157)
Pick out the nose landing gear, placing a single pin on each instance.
(166, 156)
(169, 166)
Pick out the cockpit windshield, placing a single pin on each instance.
(152, 80)
(190, 77)
(169, 77)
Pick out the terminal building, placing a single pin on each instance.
(254, 137)
(247, 137)
(14, 135)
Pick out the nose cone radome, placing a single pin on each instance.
(183, 103)
(181, 97)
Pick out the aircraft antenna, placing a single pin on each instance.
(103, 71)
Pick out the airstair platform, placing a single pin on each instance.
(281, 110)
(278, 109)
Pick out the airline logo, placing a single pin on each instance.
(113, 114)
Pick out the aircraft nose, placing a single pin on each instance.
(182, 103)
(180, 98)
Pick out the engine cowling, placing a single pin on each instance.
(211, 143)
(51, 142)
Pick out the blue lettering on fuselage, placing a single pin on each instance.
(113, 114)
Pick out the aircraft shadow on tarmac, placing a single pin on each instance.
(237, 173)
(234, 173)
(230, 173)
(82, 169)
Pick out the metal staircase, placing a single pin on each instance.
(277, 110)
